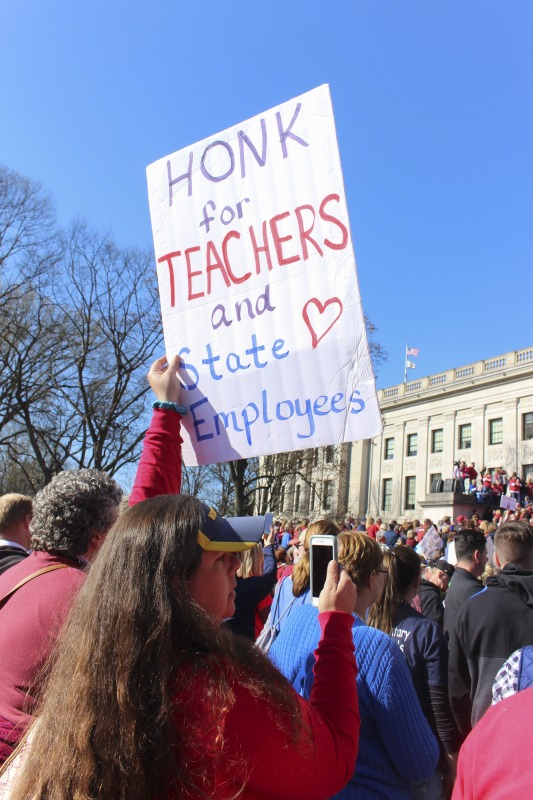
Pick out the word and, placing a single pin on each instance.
(219, 315)
(292, 244)
(219, 155)
(268, 410)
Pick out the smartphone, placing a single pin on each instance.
(323, 549)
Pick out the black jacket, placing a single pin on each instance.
(9, 556)
(489, 627)
(462, 586)
(248, 594)
(431, 601)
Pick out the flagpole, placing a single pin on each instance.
(405, 372)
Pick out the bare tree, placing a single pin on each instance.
(29, 241)
(77, 331)
(93, 413)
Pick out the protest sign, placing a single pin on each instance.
(509, 503)
(258, 287)
(429, 543)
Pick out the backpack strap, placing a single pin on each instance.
(30, 578)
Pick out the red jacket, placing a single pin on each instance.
(493, 762)
(277, 768)
(30, 620)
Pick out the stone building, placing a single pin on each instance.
(481, 413)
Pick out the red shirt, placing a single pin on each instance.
(496, 760)
(514, 485)
(276, 769)
(30, 620)
(372, 530)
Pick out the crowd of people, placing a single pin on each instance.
(490, 485)
(152, 649)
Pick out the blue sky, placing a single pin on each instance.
(433, 106)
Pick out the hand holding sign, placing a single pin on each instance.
(259, 290)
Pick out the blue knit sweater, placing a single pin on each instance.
(396, 747)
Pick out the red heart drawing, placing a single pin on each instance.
(321, 308)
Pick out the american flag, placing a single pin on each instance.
(412, 351)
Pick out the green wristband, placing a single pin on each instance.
(166, 404)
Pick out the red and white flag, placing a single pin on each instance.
(412, 351)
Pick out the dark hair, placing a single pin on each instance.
(72, 508)
(513, 542)
(467, 542)
(404, 568)
(137, 665)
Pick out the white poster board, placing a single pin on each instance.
(431, 542)
(509, 503)
(258, 287)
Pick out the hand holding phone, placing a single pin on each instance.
(322, 550)
(339, 592)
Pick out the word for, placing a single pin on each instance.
(227, 214)
(268, 410)
(202, 264)
(232, 362)
(219, 155)
(219, 315)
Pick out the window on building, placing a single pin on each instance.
(300, 461)
(315, 457)
(437, 440)
(312, 496)
(389, 449)
(465, 436)
(412, 444)
(435, 476)
(282, 499)
(496, 431)
(386, 503)
(297, 497)
(527, 426)
(527, 471)
(410, 492)
(327, 495)
(329, 454)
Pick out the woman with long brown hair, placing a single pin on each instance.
(150, 698)
(425, 650)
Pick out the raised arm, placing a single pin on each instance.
(159, 470)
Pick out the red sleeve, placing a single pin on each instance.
(159, 470)
(258, 752)
(323, 762)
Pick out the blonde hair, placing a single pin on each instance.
(301, 575)
(251, 562)
(360, 555)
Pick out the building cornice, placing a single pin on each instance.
(515, 365)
